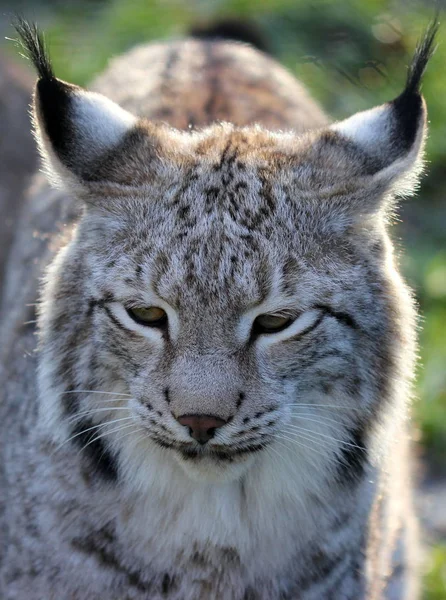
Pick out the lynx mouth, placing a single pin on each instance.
(222, 455)
(192, 452)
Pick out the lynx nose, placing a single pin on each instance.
(201, 427)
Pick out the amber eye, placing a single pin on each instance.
(271, 323)
(151, 315)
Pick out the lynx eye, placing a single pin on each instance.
(151, 315)
(271, 323)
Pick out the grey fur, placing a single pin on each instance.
(305, 492)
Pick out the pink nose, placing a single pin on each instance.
(201, 427)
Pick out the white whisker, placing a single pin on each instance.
(93, 411)
(90, 429)
(319, 418)
(95, 439)
(311, 431)
(307, 437)
(297, 442)
(118, 439)
(330, 406)
(95, 392)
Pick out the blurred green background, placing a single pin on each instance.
(351, 54)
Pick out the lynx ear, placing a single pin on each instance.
(75, 129)
(391, 136)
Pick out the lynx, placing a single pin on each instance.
(215, 404)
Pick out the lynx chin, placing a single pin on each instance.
(215, 404)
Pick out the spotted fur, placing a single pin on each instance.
(227, 197)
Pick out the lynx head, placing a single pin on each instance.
(229, 295)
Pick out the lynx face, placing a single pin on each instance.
(239, 300)
(229, 294)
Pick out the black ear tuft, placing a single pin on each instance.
(423, 53)
(75, 129)
(408, 106)
(32, 42)
(392, 135)
(53, 96)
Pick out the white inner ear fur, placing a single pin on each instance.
(372, 131)
(99, 122)
(402, 175)
(99, 125)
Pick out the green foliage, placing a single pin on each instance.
(435, 579)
